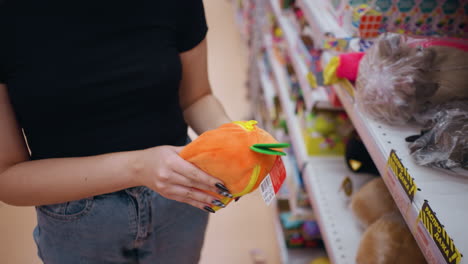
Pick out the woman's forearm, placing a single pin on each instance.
(205, 114)
(52, 181)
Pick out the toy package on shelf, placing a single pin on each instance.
(300, 233)
(326, 133)
(296, 91)
(443, 143)
(368, 18)
(300, 229)
(401, 77)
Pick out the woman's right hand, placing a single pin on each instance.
(164, 171)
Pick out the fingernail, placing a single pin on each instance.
(209, 209)
(218, 203)
(237, 199)
(226, 194)
(222, 187)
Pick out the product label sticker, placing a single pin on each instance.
(273, 182)
(278, 174)
(438, 233)
(401, 173)
(268, 192)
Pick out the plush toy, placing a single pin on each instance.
(238, 153)
(389, 241)
(400, 76)
(444, 140)
(371, 202)
(343, 66)
(357, 157)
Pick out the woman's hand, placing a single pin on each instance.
(164, 171)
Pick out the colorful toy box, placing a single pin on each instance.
(326, 133)
(418, 17)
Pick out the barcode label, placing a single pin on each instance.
(268, 193)
(266, 183)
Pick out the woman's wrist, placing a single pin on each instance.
(134, 167)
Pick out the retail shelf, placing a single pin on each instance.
(321, 20)
(323, 178)
(433, 202)
(314, 98)
(280, 237)
(267, 85)
(296, 255)
(287, 105)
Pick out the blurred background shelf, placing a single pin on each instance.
(429, 199)
(340, 230)
(321, 20)
(323, 177)
(442, 192)
(313, 97)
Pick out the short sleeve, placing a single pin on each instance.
(191, 25)
(2, 72)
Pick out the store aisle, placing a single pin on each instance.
(245, 226)
(232, 233)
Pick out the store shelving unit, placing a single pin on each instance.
(340, 231)
(433, 203)
(280, 237)
(297, 255)
(313, 97)
(288, 256)
(446, 195)
(323, 177)
(320, 20)
(267, 86)
(429, 199)
(286, 104)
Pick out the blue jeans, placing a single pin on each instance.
(132, 226)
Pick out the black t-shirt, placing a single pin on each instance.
(91, 77)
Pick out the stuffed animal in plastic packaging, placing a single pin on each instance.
(444, 140)
(402, 76)
(371, 202)
(389, 241)
(238, 153)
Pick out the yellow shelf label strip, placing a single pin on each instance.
(438, 233)
(402, 174)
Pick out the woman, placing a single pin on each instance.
(103, 91)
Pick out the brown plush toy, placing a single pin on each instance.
(389, 241)
(402, 76)
(371, 202)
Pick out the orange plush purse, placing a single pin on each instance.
(238, 153)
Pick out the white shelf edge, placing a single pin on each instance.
(286, 104)
(299, 146)
(425, 178)
(267, 86)
(321, 20)
(280, 237)
(340, 232)
(299, 65)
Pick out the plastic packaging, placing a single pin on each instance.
(444, 143)
(402, 76)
